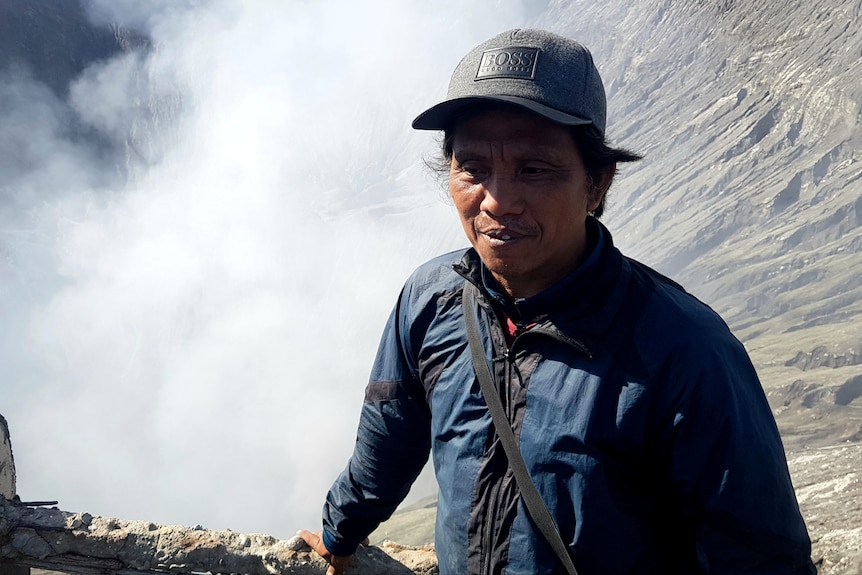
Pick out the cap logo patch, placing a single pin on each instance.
(511, 62)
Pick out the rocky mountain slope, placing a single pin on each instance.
(751, 191)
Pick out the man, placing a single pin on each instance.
(638, 415)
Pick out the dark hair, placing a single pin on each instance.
(597, 156)
(594, 149)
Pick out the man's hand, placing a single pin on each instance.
(337, 564)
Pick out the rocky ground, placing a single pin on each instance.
(47, 538)
(828, 483)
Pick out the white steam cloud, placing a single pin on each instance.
(191, 345)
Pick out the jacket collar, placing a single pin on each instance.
(580, 305)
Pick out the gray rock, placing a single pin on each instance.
(7, 462)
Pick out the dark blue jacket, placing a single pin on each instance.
(639, 416)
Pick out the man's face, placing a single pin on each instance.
(523, 195)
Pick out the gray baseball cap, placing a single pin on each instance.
(545, 73)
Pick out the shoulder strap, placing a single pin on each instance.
(532, 499)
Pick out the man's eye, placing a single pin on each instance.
(533, 170)
(472, 169)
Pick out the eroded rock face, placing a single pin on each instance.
(7, 463)
(747, 113)
(821, 356)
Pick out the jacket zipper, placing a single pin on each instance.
(508, 357)
(543, 329)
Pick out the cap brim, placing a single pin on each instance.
(441, 116)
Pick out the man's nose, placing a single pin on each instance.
(502, 196)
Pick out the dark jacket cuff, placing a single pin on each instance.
(338, 548)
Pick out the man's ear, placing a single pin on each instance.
(601, 185)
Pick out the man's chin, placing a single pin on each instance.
(504, 271)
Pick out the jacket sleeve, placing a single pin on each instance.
(729, 468)
(392, 446)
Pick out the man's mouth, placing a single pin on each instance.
(501, 237)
